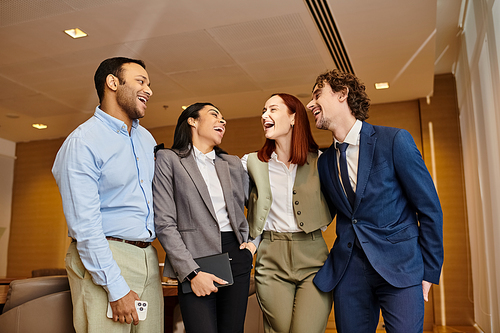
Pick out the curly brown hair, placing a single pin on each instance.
(357, 99)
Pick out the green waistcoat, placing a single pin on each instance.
(310, 208)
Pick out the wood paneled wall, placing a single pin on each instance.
(457, 275)
(39, 235)
(38, 231)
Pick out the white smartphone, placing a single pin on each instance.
(140, 306)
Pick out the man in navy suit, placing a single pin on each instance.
(389, 246)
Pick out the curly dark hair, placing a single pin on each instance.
(357, 99)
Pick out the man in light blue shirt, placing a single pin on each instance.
(104, 171)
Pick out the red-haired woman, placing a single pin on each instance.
(286, 212)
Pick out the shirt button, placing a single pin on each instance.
(137, 158)
(349, 245)
(296, 202)
(142, 181)
(148, 202)
(299, 212)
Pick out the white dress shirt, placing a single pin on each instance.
(352, 153)
(206, 165)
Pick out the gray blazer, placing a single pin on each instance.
(185, 220)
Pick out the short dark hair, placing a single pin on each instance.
(302, 139)
(357, 99)
(183, 137)
(111, 66)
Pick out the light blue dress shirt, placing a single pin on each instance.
(105, 179)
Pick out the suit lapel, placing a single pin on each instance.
(367, 143)
(191, 167)
(334, 178)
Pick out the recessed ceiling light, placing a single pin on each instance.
(382, 85)
(39, 126)
(75, 33)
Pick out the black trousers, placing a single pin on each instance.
(224, 311)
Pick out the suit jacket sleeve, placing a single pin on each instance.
(421, 192)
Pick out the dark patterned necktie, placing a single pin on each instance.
(344, 175)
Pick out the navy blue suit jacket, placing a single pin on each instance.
(396, 216)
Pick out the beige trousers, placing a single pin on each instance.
(285, 267)
(140, 269)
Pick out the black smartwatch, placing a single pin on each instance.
(192, 275)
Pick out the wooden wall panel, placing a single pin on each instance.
(457, 275)
(38, 237)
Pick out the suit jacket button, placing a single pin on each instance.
(296, 202)
(354, 221)
(349, 245)
(301, 224)
(294, 192)
(299, 212)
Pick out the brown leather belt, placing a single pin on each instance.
(140, 244)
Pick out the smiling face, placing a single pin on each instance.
(325, 105)
(277, 120)
(133, 90)
(208, 129)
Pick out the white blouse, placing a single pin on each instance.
(206, 165)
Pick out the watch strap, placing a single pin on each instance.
(192, 275)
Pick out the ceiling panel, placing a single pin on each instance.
(164, 88)
(18, 11)
(393, 34)
(275, 51)
(12, 90)
(215, 81)
(233, 53)
(182, 52)
(38, 105)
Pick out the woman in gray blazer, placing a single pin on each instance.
(199, 195)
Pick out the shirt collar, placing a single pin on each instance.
(114, 123)
(200, 156)
(274, 156)
(352, 138)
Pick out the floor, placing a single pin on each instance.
(437, 329)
